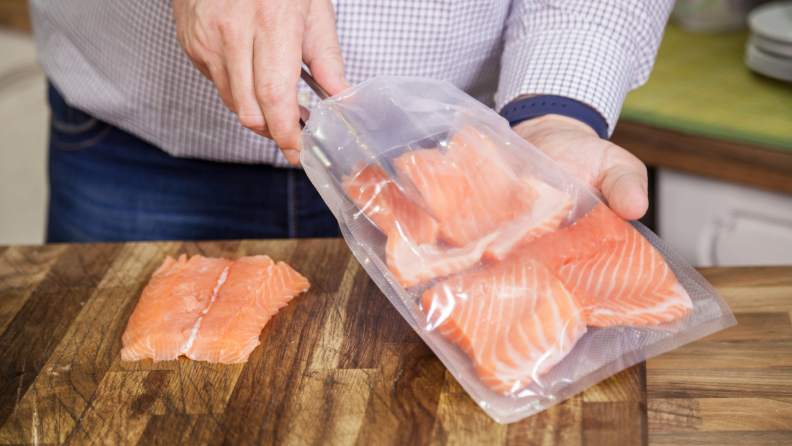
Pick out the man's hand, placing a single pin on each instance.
(253, 50)
(576, 147)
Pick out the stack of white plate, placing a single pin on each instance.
(769, 49)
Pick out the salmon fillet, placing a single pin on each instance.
(441, 183)
(494, 196)
(416, 264)
(411, 252)
(481, 209)
(548, 210)
(387, 207)
(515, 320)
(208, 309)
(618, 276)
(170, 305)
(472, 196)
(255, 289)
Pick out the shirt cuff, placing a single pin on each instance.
(585, 65)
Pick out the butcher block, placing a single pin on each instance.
(339, 366)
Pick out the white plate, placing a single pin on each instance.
(768, 64)
(772, 20)
(771, 46)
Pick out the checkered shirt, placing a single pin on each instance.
(120, 61)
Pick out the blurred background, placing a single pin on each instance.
(713, 124)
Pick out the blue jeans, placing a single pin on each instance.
(108, 185)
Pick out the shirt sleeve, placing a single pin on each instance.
(593, 51)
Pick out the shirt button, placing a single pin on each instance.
(303, 98)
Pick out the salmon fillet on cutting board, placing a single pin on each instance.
(618, 276)
(171, 303)
(256, 288)
(515, 320)
(208, 309)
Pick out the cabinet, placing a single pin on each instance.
(718, 223)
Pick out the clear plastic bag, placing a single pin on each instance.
(517, 275)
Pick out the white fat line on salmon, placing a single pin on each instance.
(220, 282)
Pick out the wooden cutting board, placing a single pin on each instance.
(339, 366)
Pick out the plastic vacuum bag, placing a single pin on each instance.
(517, 275)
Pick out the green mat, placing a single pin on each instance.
(701, 85)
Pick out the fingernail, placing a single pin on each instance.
(345, 81)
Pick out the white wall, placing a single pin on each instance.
(24, 118)
(716, 223)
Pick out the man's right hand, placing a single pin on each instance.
(253, 50)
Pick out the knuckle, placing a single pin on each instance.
(198, 45)
(271, 91)
(333, 52)
(281, 131)
(278, 130)
(633, 162)
(227, 29)
(268, 14)
(252, 121)
(265, 20)
(189, 45)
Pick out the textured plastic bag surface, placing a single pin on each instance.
(481, 242)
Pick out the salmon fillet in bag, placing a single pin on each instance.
(518, 276)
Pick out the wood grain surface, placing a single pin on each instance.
(709, 157)
(339, 366)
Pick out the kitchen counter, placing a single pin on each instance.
(340, 366)
(703, 111)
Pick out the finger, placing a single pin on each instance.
(219, 76)
(625, 188)
(185, 36)
(292, 156)
(202, 67)
(321, 50)
(276, 71)
(239, 62)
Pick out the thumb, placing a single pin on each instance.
(625, 188)
(321, 50)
